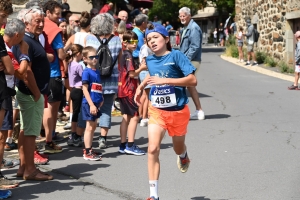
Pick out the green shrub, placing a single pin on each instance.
(231, 40)
(260, 57)
(284, 68)
(270, 61)
(232, 51)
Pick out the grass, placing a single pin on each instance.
(260, 57)
(270, 61)
(232, 51)
(284, 68)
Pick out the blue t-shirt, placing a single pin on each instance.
(56, 44)
(141, 42)
(92, 78)
(173, 65)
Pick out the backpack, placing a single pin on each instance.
(256, 35)
(106, 63)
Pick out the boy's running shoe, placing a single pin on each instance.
(74, 142)
(122, 149)
(52, 148)
(90, 156)
(183, 163)
(134, 150)
(4, 194)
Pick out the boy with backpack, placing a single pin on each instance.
(251, 39)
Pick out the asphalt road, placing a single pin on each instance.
(246, 149)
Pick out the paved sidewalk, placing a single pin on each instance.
(260, 69)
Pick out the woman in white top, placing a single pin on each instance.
(239, 37)
(80, 37)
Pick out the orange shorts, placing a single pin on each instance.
(175, 122)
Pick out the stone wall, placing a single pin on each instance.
(270, 19)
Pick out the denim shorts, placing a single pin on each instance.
(105, 119)
(142, 77)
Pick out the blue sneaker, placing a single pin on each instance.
(153, 198)
(122, 149)
(134, 150)
(4, 194)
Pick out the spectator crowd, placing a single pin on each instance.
(53, 61)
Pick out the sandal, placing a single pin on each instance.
(33, 177)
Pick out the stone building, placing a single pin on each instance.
(276, 20)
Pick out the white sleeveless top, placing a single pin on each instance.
(80, 37)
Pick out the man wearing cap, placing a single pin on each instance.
(191, 46)
(250, 41)
(297, 63)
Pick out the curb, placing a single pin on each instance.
(260, 69)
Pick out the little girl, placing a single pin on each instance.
(239, 37)
(170, 73)
(75, 81)
(92, 100)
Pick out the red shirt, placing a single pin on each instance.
(105, 9)
(126, 85)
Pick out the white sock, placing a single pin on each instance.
(71, 115)
(183, 154)
(9, 140)
(153, 188)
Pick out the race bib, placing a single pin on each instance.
(96, 87)
(163, 97)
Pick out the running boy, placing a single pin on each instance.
(128, 82)
(75, 81)
(92, 100)
(170, 73)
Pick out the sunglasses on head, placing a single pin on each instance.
(94, 57)
(131, 41)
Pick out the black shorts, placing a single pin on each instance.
(6, 104)
(76, 96)
(55, 90)
(8, 117)
(128, 106)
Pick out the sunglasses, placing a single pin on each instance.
(94, 57)
(131, 41)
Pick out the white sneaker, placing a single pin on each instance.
(144, 122)
(198, 115)
(68, 126)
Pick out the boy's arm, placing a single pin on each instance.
(93, 109)
(135, 73)
(9, 68)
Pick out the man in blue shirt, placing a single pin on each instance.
(52, 10)
(141, 21)
(191, 46)
(169, 27)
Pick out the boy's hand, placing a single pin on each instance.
(143, 65)
(93, 110)
(137, 96)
